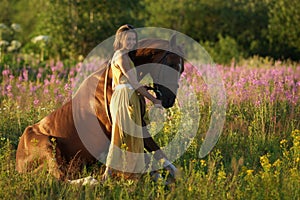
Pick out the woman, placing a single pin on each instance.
(126, 151)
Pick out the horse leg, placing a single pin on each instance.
(36, 150)
(151, 146)
(149, 143)
(159, 155)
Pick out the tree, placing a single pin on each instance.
(283, 29)
(77, 26)
(6, 11)
(244, 21)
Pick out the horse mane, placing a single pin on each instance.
(149, 45)
(153, 43)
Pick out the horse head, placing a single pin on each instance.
(164, 62)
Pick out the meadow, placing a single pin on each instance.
(256, 157)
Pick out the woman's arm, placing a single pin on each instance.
(123, 61)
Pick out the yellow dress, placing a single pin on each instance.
(126, 151)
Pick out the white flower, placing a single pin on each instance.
(3, 27)
(40, 38)
(3, 43)
(14, 45)
(16, 27)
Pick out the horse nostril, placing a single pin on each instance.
(164, 103)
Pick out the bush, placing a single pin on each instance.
(224, 51)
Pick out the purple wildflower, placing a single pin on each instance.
(36, 102)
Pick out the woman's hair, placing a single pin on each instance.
(120, 35)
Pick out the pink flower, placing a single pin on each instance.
(52, 78)
(36, 102)
(39, 75)
(53, 68)
(25, 74)
(46, 82)
(67, 87)
(20, 78)
(5, 72)
(8, 88)
(33, 88)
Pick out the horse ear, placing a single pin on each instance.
(173, 44)
(179, 49)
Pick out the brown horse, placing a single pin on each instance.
(80, 130)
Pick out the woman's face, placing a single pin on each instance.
(129, 41)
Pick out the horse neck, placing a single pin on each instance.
(141, 61)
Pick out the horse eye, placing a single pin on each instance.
(174, 66)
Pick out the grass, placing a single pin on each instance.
(256, 157)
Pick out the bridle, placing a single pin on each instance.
(163, 61)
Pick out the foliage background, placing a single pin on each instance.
(231, 29)
(258, 154)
